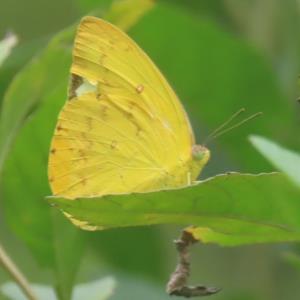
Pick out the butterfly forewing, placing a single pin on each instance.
(123, 128)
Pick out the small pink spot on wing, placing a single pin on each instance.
(139, 88)
(113, 144)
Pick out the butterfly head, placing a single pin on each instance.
(200, 155)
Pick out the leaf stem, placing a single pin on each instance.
(178, 279)
(16, 274)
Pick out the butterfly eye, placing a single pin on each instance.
(199, 152)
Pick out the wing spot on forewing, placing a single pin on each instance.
(60, 128)
(83, 181)
(89, 122)
(81, 153)
(103, 112)
(130, 116)
(99, 96)
(139, 88)
(52, 151)
(113, 144)
(51, 179)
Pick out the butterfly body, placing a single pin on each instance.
(122, 129)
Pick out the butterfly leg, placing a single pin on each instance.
(189, 178)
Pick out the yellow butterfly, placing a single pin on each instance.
(122, 128)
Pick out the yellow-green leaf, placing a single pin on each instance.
(230, 209)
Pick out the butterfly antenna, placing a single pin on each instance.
(218, 129)
(236, 125)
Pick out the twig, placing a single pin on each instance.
(16, 274)
(178, 280)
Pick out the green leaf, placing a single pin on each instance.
(231, 209)
(17, 60)
(28, 113)
(31, 85)
(33, 89)
(240, 18)
(68, 245)
(283, 159)
(6, 45)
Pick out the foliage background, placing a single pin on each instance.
(219, 56)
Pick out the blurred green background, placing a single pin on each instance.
(219, 56)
